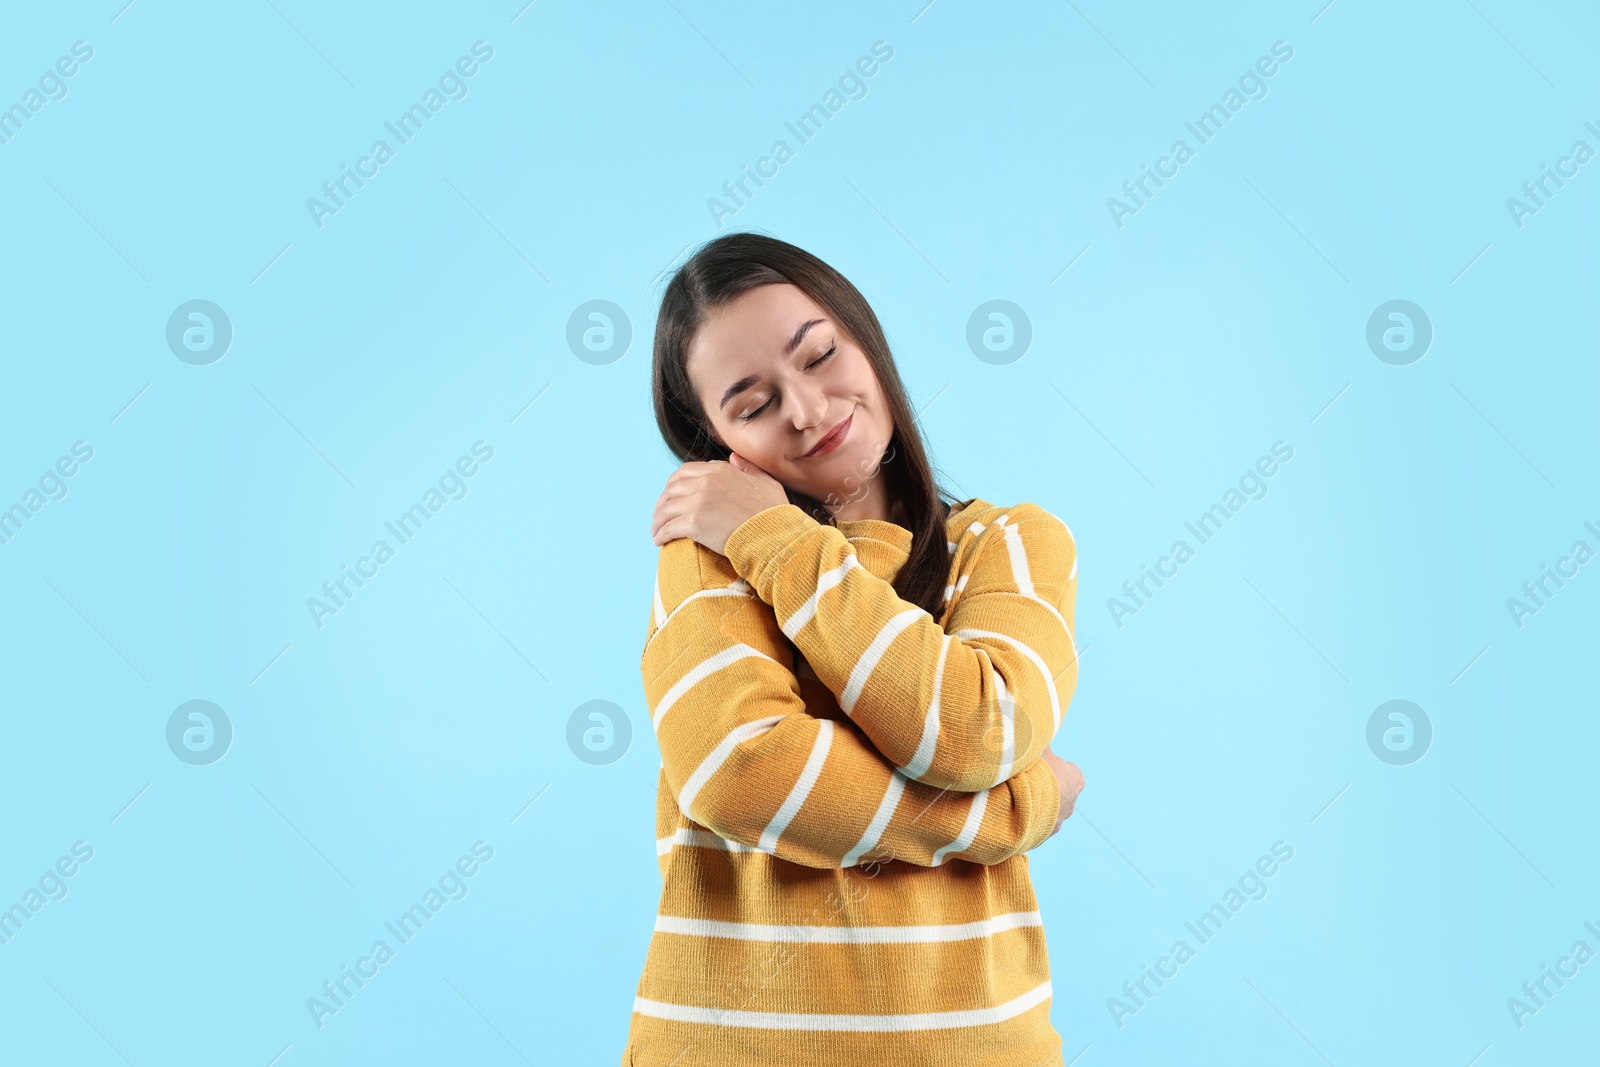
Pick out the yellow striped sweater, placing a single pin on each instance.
(848, 788)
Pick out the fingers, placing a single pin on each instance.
(664, 520)
(670, 530)
(671, 499)
(658, 514)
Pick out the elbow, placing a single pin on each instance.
(978, 762)
(956, 774)
(724, 816)
(732, 813)
(962, 759)
(709, 809)
(1037, 799)
(733, 822)
(730, 827)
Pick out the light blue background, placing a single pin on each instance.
(369, 354)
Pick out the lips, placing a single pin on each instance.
(832, 439)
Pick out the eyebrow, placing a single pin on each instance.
(750, 379)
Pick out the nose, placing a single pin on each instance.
(807, 406)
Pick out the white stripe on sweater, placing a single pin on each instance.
(880, 820)
(805, 612)
(876, 1024)
(1019, 559)
(719, 755)
(1034, 658)
(952, 590)
(710, 665)
(802, 788)
(1023, 576)
(1042, 602)
(698, 839)
(660, 608)
(923, 758)
(848, 935)
(1008, 728)
(739, 587)
(874, 652)
(969, 829)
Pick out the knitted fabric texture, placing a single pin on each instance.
(847, 792)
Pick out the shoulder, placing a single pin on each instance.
(710, 601)
(1022, 538)
(985, 521)
(685, 567)
(1040, 522)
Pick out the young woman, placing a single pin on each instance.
(853, 684)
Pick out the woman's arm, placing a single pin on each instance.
(744, 758)
(963, 706)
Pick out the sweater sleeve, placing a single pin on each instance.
(964, 705)
(743, 757)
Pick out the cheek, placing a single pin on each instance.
(760, 445)
(859, 380)
(871, 393)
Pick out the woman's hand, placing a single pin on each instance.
(708, 501)
(1068, 779)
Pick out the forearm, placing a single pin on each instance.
(743, 757)
(812, 792)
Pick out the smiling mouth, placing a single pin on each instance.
(832, 439)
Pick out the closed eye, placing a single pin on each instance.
(747, 416)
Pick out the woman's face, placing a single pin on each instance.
(776, 375)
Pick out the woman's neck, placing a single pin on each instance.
(897, 513)
(873, 504)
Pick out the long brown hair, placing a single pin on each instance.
(728, 266)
